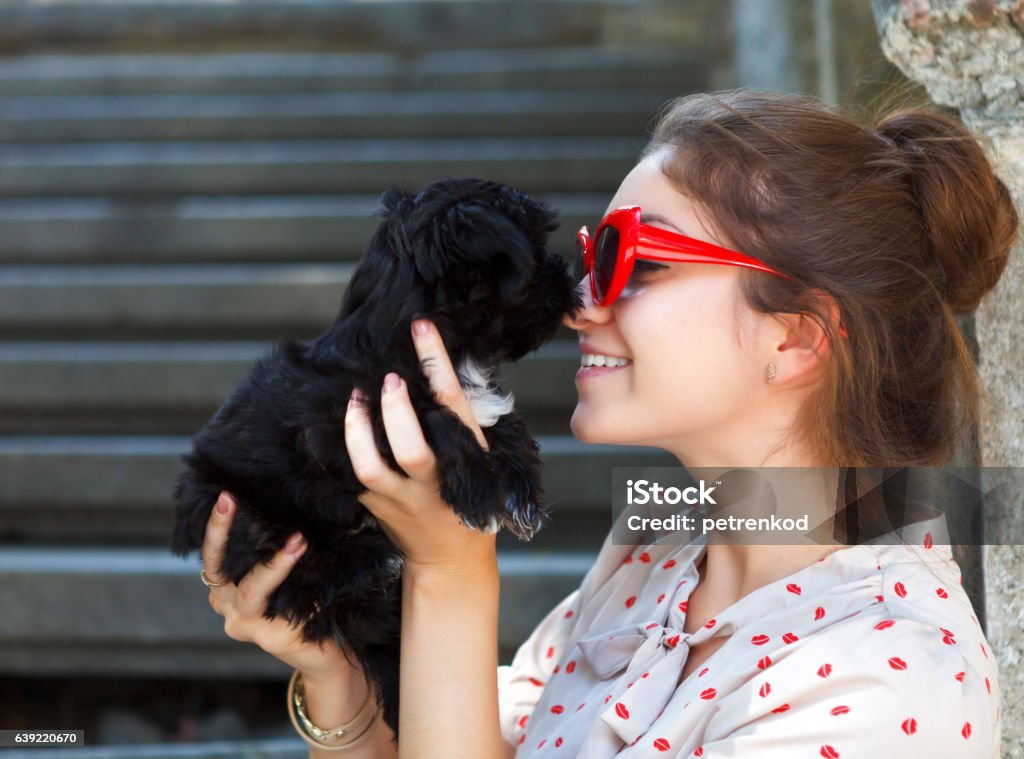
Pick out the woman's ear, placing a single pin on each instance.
(804, 345)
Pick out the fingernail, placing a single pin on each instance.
(358, 396)
(421, 326)
(392, 382)
(295, 543)
(223, 504)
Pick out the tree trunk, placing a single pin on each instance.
(969, 55)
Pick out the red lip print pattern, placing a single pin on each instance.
(673, 641)
(570, 667)
(710, 623)
(523, 720)
(960, 676)
(941, 593)
(927, 540)
(909, 726)
(557, 709)
(621, 711)
(669, 564)
(966, 732)
(825, 670)
(550, 653)
(790, 638)
(819, 613)
(885, 624)
(760, 640)
(699, 751)
(558, 742)
(829, 753)
(661, 744)
(837, 710)
(794, 588)
(630, 601)
(645, 557)
(682, 606)
(900, 589)
(780, 709)
(661, 598)
(764, 662)
(897, 663)
(764, 690)
(708, 693)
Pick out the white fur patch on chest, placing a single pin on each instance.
(488, 405)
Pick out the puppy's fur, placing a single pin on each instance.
(468, 254)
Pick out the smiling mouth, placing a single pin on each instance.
(591, 359)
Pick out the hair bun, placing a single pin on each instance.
(968, 213)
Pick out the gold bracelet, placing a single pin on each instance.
(341, 738)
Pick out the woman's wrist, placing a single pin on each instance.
(334, 697)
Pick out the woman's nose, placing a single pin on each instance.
(589, 313)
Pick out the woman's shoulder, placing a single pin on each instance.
(916, 658)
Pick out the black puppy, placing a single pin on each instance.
(470, 255)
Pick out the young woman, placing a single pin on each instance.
(816, 330)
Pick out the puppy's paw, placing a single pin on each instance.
(490, 525)
(516, 459)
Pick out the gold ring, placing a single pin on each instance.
(208, 582)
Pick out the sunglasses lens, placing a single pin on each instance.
(605, 257)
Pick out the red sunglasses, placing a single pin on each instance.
(622, 237)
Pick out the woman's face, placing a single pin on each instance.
(694, 373)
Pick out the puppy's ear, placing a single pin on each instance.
(470, 241)
(391, 200)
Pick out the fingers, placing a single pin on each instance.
(443, 379)
(403, 428)
(216, 535)
(367, 463)
(250, 600)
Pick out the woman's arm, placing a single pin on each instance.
(448, 697)
(335, 699)
(449, 684)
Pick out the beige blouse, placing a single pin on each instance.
(873, 651)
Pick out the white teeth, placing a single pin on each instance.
(589, 359)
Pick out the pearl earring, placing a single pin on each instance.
(769, 373)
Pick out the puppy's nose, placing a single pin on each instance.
(575, 318)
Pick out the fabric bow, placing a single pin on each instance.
(652, 657)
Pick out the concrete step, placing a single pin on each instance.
(117, 488)
(306, 116)
(406, 26)
(210, 229)
(107, 387)
(143, 612)
(670, 70)
(257, 301)
(555, 164)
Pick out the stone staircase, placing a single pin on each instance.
(163, 217)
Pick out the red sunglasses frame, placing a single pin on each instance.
(639, 240)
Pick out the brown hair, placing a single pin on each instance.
(903, 223)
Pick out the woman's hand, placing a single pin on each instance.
(242, 605)
(410, 509)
